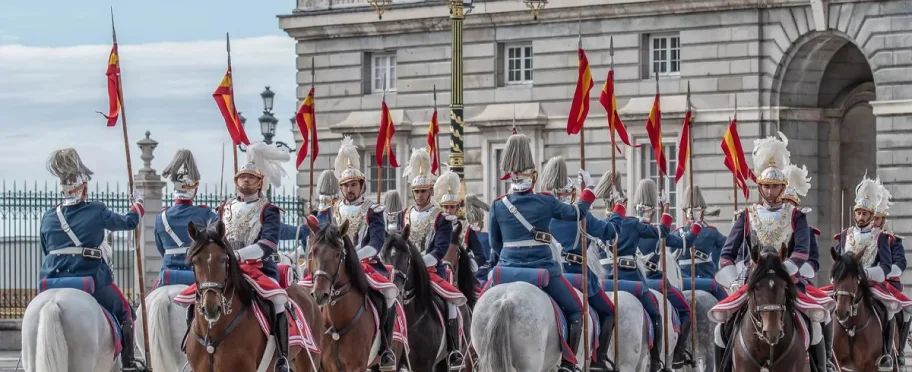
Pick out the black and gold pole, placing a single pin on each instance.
(457, 157)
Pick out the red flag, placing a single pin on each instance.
(387, 130)
(609, 102)
(579, 108)
(433, 131)
(307, 124)
(683, 147)
(113, 87)
(224, 98)
(735, 160)
(654, 129)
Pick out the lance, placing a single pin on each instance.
(661, 185)
(583, 247)
(385, 146)
(313, 131)
(136, 233)
(693, 219)
(222, 175)
(233, 105)
(614, 245)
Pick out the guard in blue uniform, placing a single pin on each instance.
(767, 222)
(171, 237)
(898, 267)
(520, 231)
(367, 231)
(647, 199)
(392, 202)
(708, 244)
(477, 239)
(73, 242)
(600, 234)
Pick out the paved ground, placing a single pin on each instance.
(8, 360)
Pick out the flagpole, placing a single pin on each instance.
(583, 250)
(222, 175)
(693, 219)
(437, 137)
(735, 176)
(137, 249)
(614, 272)
(234, 146)
(661, 185)
(312, 130)
(385, 145)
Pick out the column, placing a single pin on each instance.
(151, 185)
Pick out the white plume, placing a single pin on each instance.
(419, 163)
(268, 159)
(867, 189)
(798, 179)
(447, 183)
(348, 156)
(885, 197)
(770, 148)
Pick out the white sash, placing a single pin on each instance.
(105, 248)
(180, 243)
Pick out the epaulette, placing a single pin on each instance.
(836, 237)
(738, 214)
(450, 217)
(203, 206)
(501, 197)
(378, 208)
(712, 227)
(816, 231)
(277, 207)
(163, 210)
(898, 237)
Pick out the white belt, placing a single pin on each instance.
(175, 251)
(524, 243)
(688, 261)
(94, 253)
(609, 261)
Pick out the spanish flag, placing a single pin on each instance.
(433, 131)
(579, 108)
(387, 130)
(609, 102)
(224, 98)
(307, 124)
(113, 73)
(735, 160)
(684, 143)
(654, 129)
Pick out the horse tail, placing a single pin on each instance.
(51, 353)
(496, 342)
(465, 278)
(161, 348)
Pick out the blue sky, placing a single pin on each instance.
(52, 62)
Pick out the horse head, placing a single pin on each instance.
(771, 292)
(217, 272)
(850, 283)
(411, 277)
(333, 264)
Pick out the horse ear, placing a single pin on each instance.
(192, 231)
(783, 252)
(834, 254)
(406, 231)
(344, 228)
(859, 254)
(312, 225)
(220, 228)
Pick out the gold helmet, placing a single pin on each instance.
(419, 167)
(446, 189)
(348, 162)
(771, 156)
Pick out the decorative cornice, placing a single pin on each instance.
(506, 114)
(894, 107)
(369, 122)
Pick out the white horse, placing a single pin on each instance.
(167, 327)
(66, 330)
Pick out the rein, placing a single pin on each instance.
(753, 315)
(856, 305)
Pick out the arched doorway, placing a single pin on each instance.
(825, 86)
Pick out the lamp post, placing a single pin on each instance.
(268, 122)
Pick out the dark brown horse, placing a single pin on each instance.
(234, 342)
(858, 340)
(341, 289)
(767, 337)
(426, 333)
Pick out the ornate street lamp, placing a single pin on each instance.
(536, 6)
(268, 122)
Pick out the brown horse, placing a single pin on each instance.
(234, 342)
(858, 340)
(341, 289)
(767, 337)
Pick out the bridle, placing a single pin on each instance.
(857, 300)
(336, 292)
(218, 288)
(408, 295)
(754, 314)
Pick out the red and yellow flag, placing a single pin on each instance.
(224, 98)
(654, 129)
(735, 160)
(387, 130)
(609, 102)
(579, 108)
(683, 146)
(307, 124)
(113, 73)
(433, 131)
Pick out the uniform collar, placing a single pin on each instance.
(252, 199)
(183, 201)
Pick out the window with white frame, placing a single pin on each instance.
(665, 54)
(648, 169)
(373, 173)
(518, 63)
(383, 67)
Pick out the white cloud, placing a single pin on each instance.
(50, 96)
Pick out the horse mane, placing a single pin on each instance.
(330, 235)
(419, 275)
(465, 278)
(767, 261)
(234, 276)
(845, 266)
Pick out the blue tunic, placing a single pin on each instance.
(800, 240)
(474, 242)
(632, 231)
(709, 242)
(565, 232)
(899, 258)
(179, 217)
(672, 240)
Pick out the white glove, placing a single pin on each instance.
(585, 179)
(137, 195)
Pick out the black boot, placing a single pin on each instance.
(455, 358)
(603, 362)
(280, 331)
(818, 357)
(655, 354)
(903, 340)
(719, 356)
(683, 357)
(387, 357)
(573, 339)
(885, 363)
(191, 313)
(828, 343)
(126, 353)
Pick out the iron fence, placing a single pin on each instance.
(23, 206)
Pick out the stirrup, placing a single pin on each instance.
(457, 355)
(688, 361)
(567, 367)
(885, 359)
(388, 353)
(137, 366)
(606, 366)
(280, 366)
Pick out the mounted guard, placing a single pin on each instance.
(771, 223)
(521, 239)
(327, 192)
(447, 191)
(599, 234)
(73, 241)
(477, 240)
(367, 232)
(708, 245)
(430, 231)
(392, 202)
